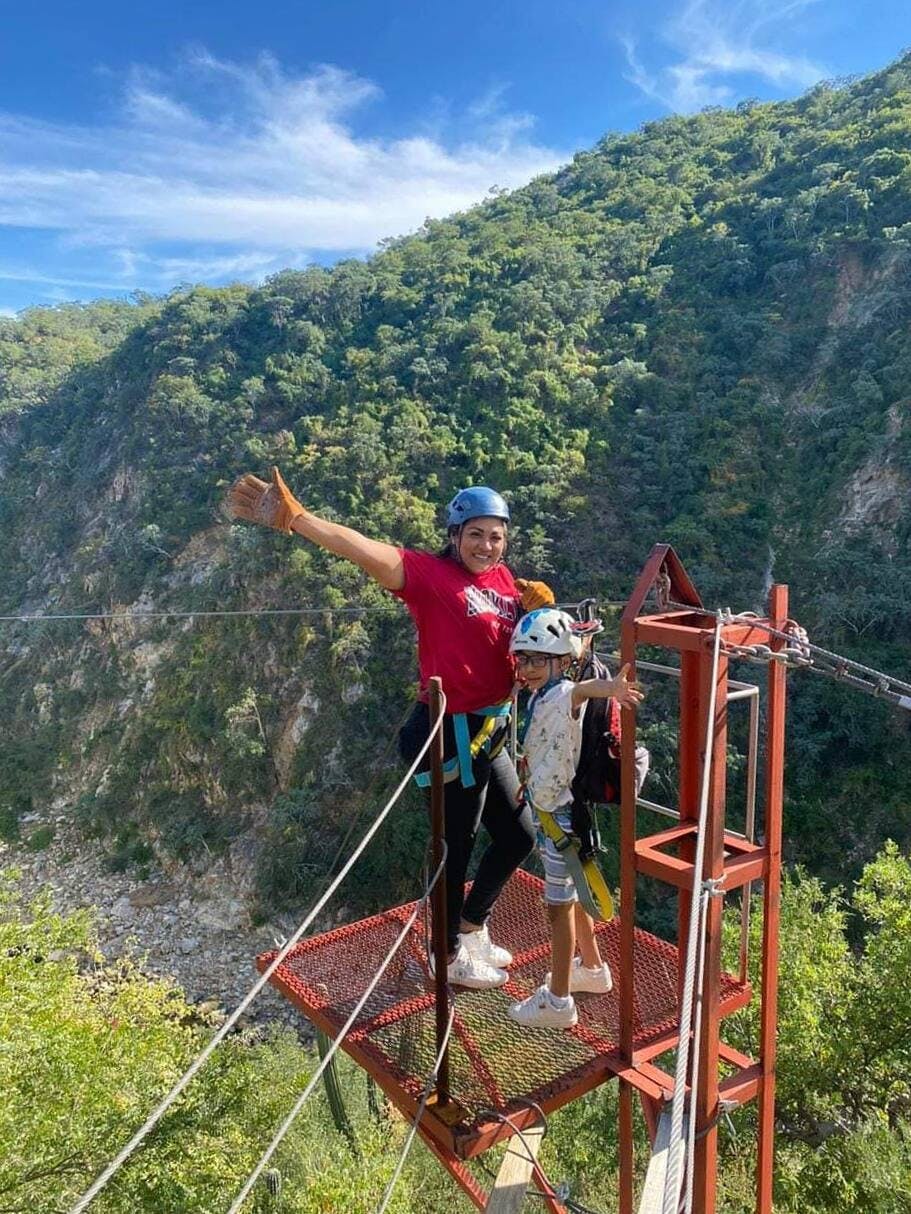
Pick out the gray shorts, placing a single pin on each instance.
(559, 887)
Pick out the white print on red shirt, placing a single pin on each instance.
(489, 602)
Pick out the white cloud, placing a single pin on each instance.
(717, 41)
(225, 169)
(25, 274)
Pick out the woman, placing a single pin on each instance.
(465, 603)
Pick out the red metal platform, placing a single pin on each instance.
(494, 1064)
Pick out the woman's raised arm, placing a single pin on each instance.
(274, 505)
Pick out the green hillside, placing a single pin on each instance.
(696, 333)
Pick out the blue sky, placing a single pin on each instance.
(145, 145)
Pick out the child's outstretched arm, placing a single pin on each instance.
(618, 688)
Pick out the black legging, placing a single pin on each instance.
(491, 800)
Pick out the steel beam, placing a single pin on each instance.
(771, 902)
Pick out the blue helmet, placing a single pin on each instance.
(476, 502)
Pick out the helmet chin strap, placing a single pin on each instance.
(552, 679)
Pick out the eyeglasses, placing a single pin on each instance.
(537, 661)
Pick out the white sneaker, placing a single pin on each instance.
(596, 981)
(480, 945)
(538, 1011)
(468, 970)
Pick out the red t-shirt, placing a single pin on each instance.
(464, 625)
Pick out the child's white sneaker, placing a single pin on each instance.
(594, 981)
(467, 970)
(480, 945)
(540, 1011)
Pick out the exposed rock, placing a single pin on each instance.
(875, 498)
(44, 698)
(352, 693)
(225, 914)
(122, 484)
(296, 725)
(205, 551)
(195, 929)
(123, 909)
(153, 894)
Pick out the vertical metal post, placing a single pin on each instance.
(768, 1013)
(626, 986)
(750, 831)
(626, 1147)
(690, 741)
(438, 901)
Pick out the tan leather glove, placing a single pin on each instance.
(270, 505)
(534, 594)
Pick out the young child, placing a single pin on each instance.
(544, 646)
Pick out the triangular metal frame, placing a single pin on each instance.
(662, 561)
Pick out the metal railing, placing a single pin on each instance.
(736, 691)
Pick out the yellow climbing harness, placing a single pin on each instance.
(589, 880)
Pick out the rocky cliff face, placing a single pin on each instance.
(189, 921)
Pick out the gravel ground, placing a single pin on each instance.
(185, 923)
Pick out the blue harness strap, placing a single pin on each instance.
(463, 749)
(466, 749)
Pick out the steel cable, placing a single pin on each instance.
(183, 614)
(837, 664)
(336, 1043)
(704, 899)
(425, 1096)
(92, 1192)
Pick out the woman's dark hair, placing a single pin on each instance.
(451, 547)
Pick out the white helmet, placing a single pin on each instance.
(546, 630)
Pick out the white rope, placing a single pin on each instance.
(671, 1197)
(704, 900)
(333, 1048)
(92, 1192)
(425, 1096)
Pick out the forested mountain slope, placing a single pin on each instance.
(698, 333)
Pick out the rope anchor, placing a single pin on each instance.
(798, 653)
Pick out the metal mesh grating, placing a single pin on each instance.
(494, 1064)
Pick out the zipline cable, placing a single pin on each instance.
(748, 617)
(671, 1197)
(425, 1096)
(92, 1192)
(336, 1043)
(797, 656)
(391, 609)
(182, 614)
